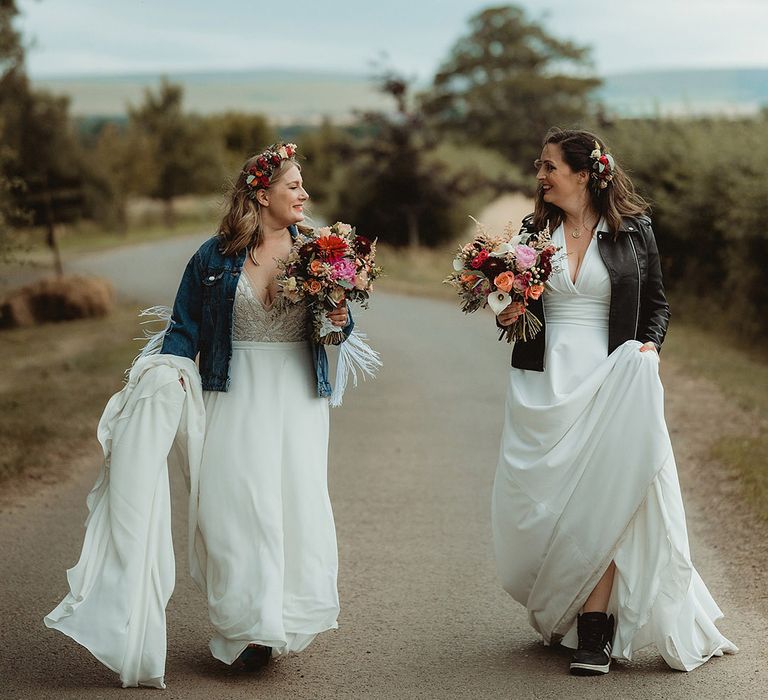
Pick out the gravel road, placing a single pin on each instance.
(411, 467)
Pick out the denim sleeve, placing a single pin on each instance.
(183, 335)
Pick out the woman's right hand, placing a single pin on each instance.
(510, 314)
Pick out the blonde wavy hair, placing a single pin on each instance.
(240, 227)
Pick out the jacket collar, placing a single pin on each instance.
(628, 225)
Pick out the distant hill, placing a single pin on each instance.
(290, 96)
(721, 91)
(286, 96)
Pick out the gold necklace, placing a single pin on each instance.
(576, 233)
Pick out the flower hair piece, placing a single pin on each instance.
(602, 167)
(258, 175)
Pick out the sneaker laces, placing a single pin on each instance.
(591, 634)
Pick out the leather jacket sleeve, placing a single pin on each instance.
(183, 335)
(654, 309)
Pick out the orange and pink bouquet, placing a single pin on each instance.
(326, 267)
(497, 271)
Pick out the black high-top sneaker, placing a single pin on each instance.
(593, 657)
(255, 657)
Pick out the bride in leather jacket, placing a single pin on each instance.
(639, 308)
(588, 521)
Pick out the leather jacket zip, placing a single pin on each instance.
(637, 263)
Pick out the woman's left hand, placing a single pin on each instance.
(339, 317)
(645, 347)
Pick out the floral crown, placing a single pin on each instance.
(602, 166)
(258, 175)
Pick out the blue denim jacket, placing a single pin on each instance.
(202, 317)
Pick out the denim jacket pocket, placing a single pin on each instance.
(213, 277)
(212, 285)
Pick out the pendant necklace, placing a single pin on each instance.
(576, 233)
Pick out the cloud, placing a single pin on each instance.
(88, 36)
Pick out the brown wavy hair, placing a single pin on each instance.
(240, 227)
(614, 202)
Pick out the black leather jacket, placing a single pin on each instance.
(639, 308)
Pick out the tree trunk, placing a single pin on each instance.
(51, 238)
(122, 218)
(170, 214)
(414, 240)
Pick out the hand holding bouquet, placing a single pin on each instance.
(496, 271)
(326, 267)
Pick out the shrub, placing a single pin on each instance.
(707, 182)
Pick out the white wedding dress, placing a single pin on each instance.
(262, 537)
(264, 511)
(586, 476)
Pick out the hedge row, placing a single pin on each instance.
(708, 183)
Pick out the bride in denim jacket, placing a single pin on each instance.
(264, 511)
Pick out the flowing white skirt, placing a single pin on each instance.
(264, 511)
(586, 475)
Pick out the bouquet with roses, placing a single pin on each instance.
(325, 267)
(497, 271)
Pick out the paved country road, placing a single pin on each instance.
(411, 467)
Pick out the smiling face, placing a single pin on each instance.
(282, 204)
(559, 185)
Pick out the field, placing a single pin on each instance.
(289, 97)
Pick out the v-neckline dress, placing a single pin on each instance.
(268, 535)
(586, 476)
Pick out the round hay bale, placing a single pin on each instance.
(57, 299)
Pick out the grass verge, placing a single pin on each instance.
(419, 272)
(741, 374)
(54, 382)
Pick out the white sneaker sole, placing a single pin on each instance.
(578, 669)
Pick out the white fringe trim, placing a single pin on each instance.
(154, 339)
(354, 355)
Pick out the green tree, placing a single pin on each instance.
(9, 208)
(398, 186)
(44, 176)
(58, 181)
(240, 136)
(389, 188)
(323, 154)
(184, 148)
(11, 78)
(124, 158)
(506, 81)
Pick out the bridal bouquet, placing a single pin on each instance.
(325, 267)
(497, 271)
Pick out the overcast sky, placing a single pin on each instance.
(81, 37)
